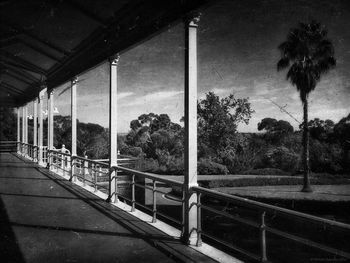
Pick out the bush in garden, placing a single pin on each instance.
(207, 166)
(148, 165)
(325, 157)
(282, 158)
(266, 171)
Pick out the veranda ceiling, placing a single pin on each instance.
(47, 42)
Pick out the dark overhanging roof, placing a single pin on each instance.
(51, 41)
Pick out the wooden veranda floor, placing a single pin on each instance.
(44, 218)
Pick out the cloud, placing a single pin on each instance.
(123, 95)
(153, 98)
(219, 91)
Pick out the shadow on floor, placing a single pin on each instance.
(169, 248)
(9, 249)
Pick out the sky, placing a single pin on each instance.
(237, 53)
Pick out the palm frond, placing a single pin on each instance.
(283, 63)
(308, 54)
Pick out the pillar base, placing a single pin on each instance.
(306, 189)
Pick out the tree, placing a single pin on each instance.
(308, 54)
(271, 125)
(156, 137)
(217, 126)
(342, 133)
(321, 130)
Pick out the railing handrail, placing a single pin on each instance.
(89, 160)
(58, 151)
(149, 176)
(123, 158)
(231, 198)
(266, 207)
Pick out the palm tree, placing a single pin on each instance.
(308, 54)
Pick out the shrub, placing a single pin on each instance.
(148, 165)
(207, 166)
(133, 151)
(282, 158)
(176, 166)
(266, 171)
(325, 157)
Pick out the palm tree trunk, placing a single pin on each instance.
(306, 186)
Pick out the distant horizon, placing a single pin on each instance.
(180, 123)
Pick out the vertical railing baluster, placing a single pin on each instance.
(64, 165)
(71, 168)
(48, 154)
(154, 219)
(183, 211)
(116, 199)
(81, 165)
(95, 176)
(263, 238)
(76, 169)
(92, 172)
(133, 193)
(85, 168)
(199, 220)
(99, 174)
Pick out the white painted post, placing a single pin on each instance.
(73, 124)
(190, 180)
(41, 128)
(50, 120)
(18, 130)
(50, 101)
(113, 154)
(35, 130)
(26, 153)
(23, 130)
(74, 115)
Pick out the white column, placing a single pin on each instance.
(23, 124)
(190, 103)
(50, 120)
(74, 115)
(40, 124)
(26, 123)
(35, 127)
(113, 152)
(18, 129)
(35, 122)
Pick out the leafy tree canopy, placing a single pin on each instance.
(151, 132)
(321, 129)
(310, 54)
(271, 125)
(342, 131)
(218, 120)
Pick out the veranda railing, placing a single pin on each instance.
(223, 220)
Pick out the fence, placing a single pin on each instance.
(286, 229)
(255, 230)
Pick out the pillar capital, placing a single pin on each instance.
(114, 60)
(74, 80)
(42, 92)
(193, 19)
(50, 93)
